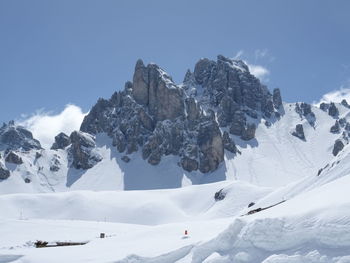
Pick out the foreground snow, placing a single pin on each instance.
(310, 226)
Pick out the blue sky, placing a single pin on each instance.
(57, 52)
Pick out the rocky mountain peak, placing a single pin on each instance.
(15, 137)
(154, 88)
(159, 117)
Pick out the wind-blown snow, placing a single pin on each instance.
(336, 95)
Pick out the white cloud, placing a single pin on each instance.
(263, 54)
(239, 54)
(336, 95)
(260, 53)
(46, 125)
(259, 71)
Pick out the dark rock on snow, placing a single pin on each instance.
(12, 157)
(299, 132)
(220, 195)
(210, 145)
(14, 137)
(55, 163)
(333, 110)
(61, 141)
(229, 144)
(345, 103)
(338, 146)
(324, 106)
(4, 173)
(335, 128)
(82, 150)
(189, 164)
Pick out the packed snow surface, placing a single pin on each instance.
(296, 212)
(148, 226)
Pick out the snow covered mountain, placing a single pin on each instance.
(220, 123)
(252, 179)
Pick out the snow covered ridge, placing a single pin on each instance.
(206, 129)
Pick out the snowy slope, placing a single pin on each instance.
(147, 226)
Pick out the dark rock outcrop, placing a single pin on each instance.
(55, 163)
(38, 155)
(335, 128)
(338, 146)
(324, 106)
(251, 204)
(238, 123)
(347, 126)
(333, 110)
(82, 150)
(345, 103)
(189, 164)
(220, 195)
(249, 132)
(4, 173)
(304, 111)
(14, 137)
(14, 158)
(277, 99)
(155, 89)
(299, 132)
(342, 122)
(61, 141)
(229, 144)
(210, 145)
(155, 157)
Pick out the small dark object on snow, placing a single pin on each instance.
(40, 243)
(27, 180)
(263, 208)
(102, 235)
(220, 195)
(254, 211)
(251, 204)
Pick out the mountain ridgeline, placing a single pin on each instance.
(209, 121)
